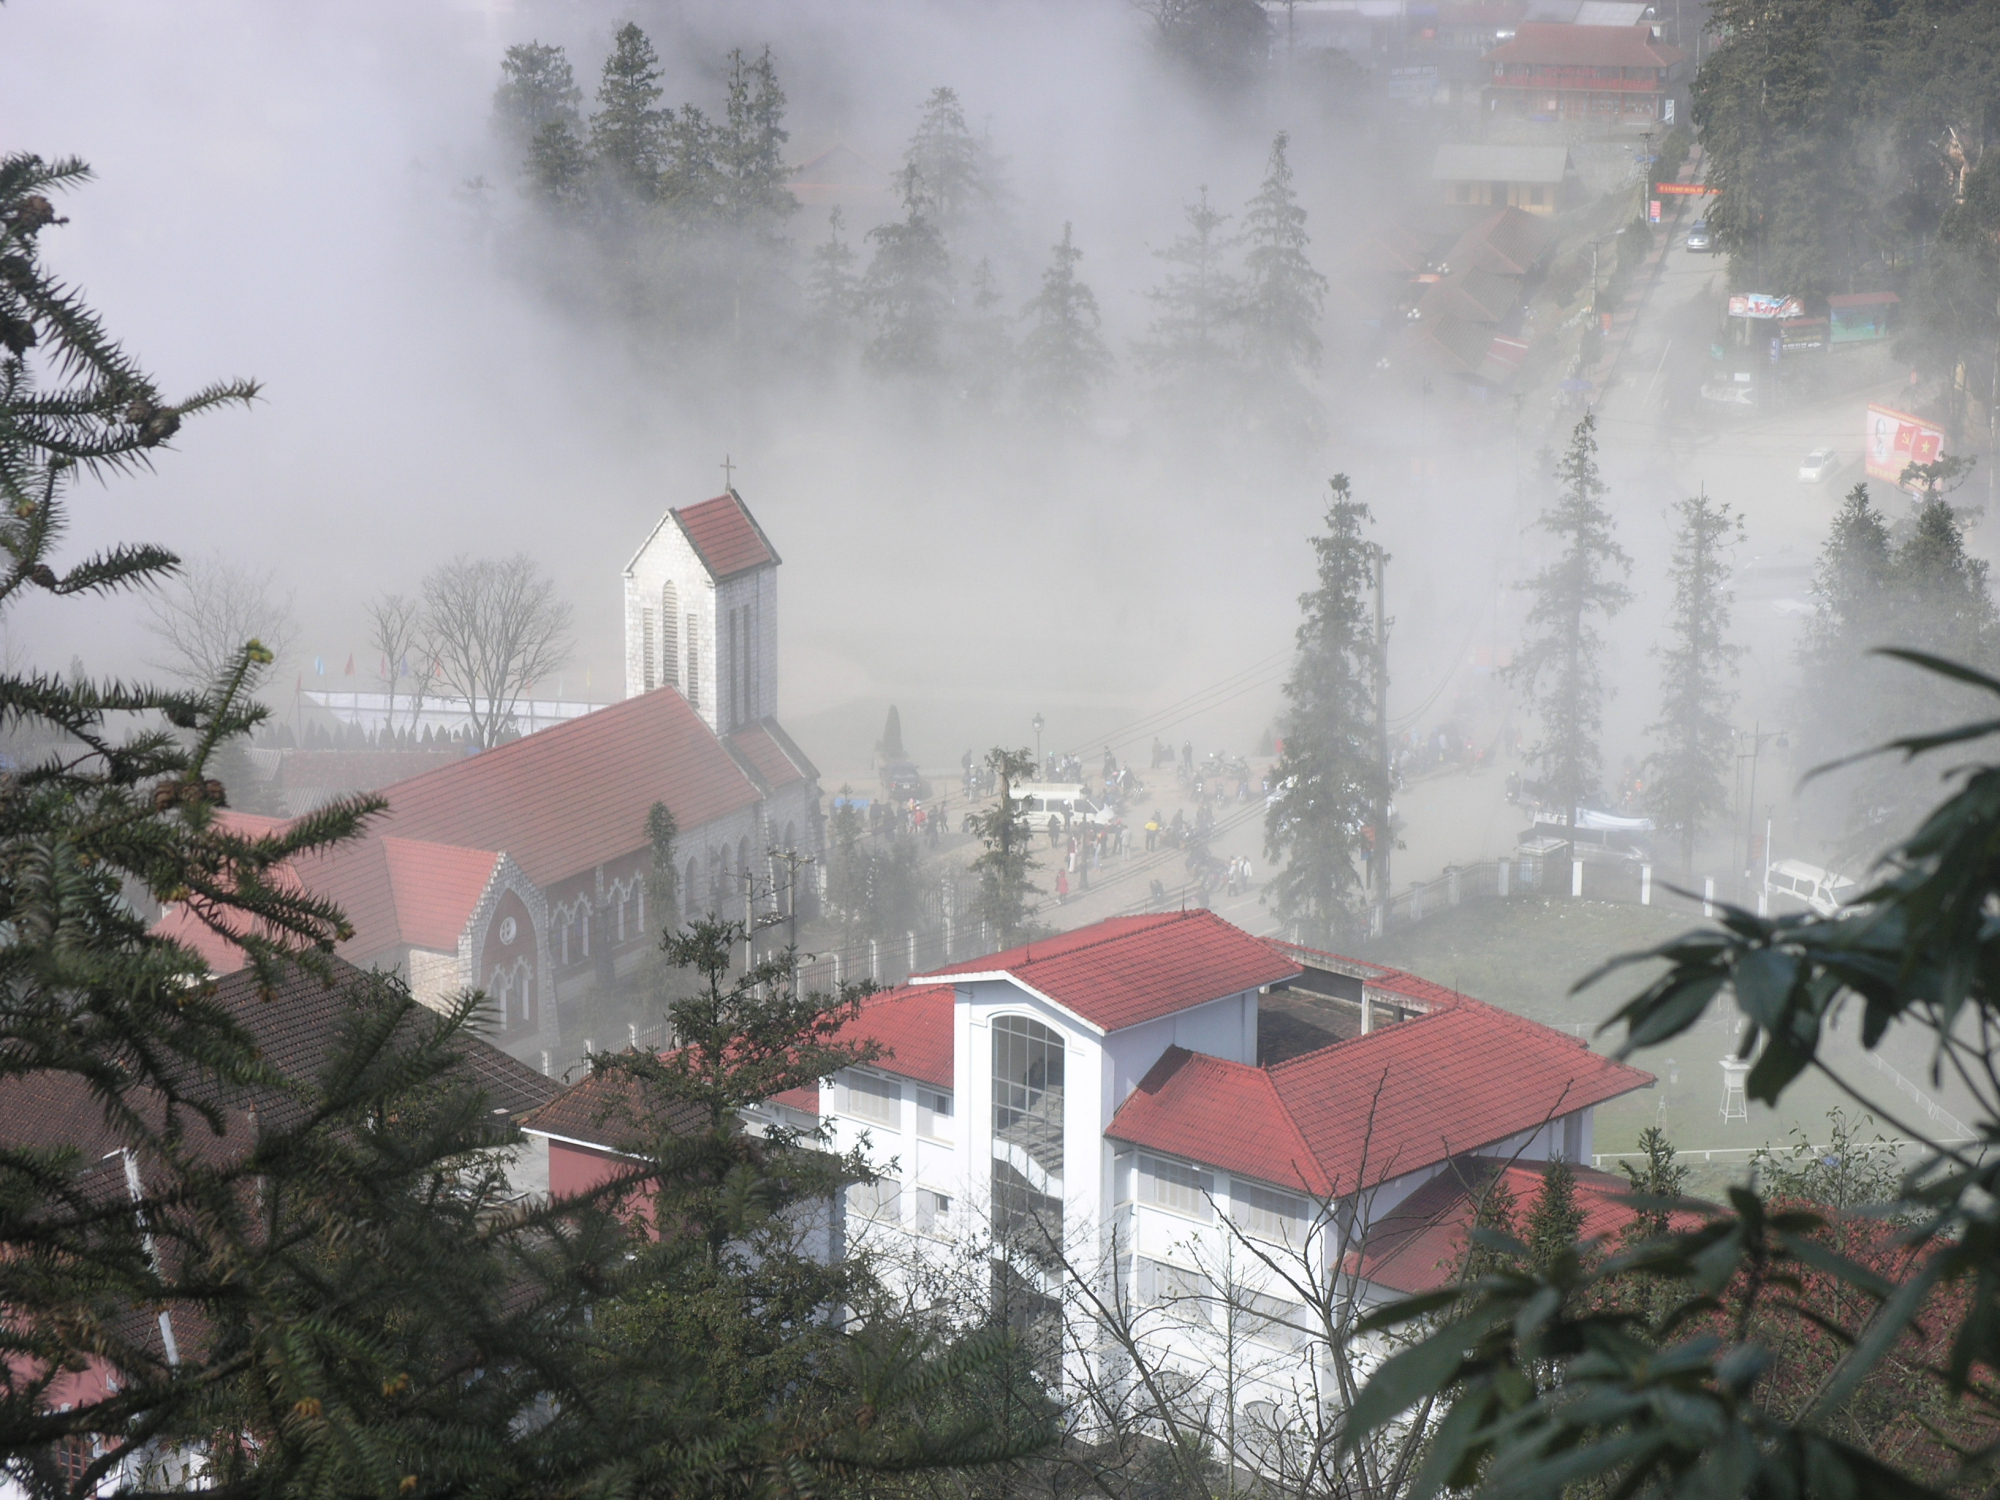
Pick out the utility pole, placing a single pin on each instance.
(793, 862)
(1384, 834)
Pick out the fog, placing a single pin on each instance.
(282, 194)
(275, 197)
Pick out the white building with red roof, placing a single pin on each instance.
(1150, 1093)
(701, 613)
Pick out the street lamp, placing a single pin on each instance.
(1038, 744)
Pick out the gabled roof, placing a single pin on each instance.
(564, 799)
(295, 1030)
(1420, 1245)
(914, 1027)
(1548, 44)
(1509, 242)
(1456, 163)
(1223, 1114)
(1475, 295)
(772, 755)
(1125, 970)
(725, 536)
(393, 892)
(1465, 1076)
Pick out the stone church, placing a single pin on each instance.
(523, 870)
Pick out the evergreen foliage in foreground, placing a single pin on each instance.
(1772, 1346)
(360, 1306)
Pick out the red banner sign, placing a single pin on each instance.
(1893, 440)
(1685, 189)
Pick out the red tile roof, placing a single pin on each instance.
(1420, 1245)
(913, 1024)
(394, 892)
(436, 887)
(725, 536)
(1125, 970)
(767, 756)
(567, 798)
(1224, 1114)
(1406, 1097)
(1551, 44)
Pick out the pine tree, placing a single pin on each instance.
(1555, 1218)
(1283, 297)
(1224, 44)
(1330, 778)
(628, 134)
(754, 183)
(537, 89)
(983, 354)
(1190, 344)
(1925, 593)
(1006, 891)
(957, 172)
(1063, 354)
(833, 290)
(1559, 667)
(1659, 1177)
(907, 289)
(558, 165)
(1495, 1214)
(1689, 772)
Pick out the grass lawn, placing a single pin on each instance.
(1525, 953)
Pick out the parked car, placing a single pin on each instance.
(1599, 837)
(1818, 464)
(902, 781)
(1042, 803)
(1817, 890)
(1700, 241)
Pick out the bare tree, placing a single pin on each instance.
(213, 606)
(395, 624)
(490, 628)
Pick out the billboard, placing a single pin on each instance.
(1894, 439)
(1764, 305)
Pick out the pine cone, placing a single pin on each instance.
(35, 212)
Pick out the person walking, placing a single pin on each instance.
(1062, 887)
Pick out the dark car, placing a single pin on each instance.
(902, 780)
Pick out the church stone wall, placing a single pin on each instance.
(667, 558)
(756, 594)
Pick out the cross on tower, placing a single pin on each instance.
(728, 475)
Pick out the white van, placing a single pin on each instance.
(1044, 802)
(1817, 890)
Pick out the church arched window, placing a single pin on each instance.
(648, 669)
(670, 635)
